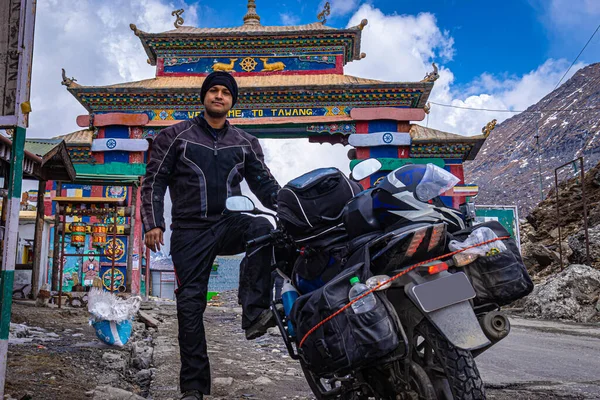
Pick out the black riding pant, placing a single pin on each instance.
(193, 252)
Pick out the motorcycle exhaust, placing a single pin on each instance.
(495, 326)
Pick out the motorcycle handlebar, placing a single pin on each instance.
(262, 239)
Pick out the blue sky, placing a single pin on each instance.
(503, 38)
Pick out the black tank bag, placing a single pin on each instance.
(312, 204)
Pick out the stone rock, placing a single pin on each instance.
(112, 393)
(571, 294)
(141, 356)
(577, 244)
(596, 180)
(274, 331)
(114, 361)
(223, 381)
(537, 256)
(263, 381)
(143, 377)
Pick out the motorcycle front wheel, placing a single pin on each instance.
(452, 371)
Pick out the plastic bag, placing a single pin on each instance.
(435, 182)
(105, 306)
(479, 235)
(111, 316)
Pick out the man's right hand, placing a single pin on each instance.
(154, 239)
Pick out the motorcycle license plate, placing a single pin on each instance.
(443, 292)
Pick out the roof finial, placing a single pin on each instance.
(488, 128)
(251, 17)
(179, 21)
(325, 13)
(431, 76)
(67, 81)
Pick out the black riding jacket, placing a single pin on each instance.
(202, 168)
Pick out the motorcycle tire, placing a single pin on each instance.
(315, 383)
(452, 371)
(420, 384)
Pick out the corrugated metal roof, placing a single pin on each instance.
(420, 133)
(41, 147)
(251, 82)
(316, 26)
(84, 137)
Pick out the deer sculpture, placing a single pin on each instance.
(223, 66)
(276, 66)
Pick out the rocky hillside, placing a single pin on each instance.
(539, 235)
(506, 168)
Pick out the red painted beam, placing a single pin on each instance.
(387, 113)
(114, 119)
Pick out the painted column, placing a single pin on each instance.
(9, 255)
(136, 227)
(37, 241)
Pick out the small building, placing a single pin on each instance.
(224, 276)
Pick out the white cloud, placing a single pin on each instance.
(402, 47)
(94, 43)
(289, 19)
(399, 47)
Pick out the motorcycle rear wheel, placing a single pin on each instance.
(452, 371)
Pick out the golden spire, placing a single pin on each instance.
(251, 17)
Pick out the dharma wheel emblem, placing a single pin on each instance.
(248, 64)
(111, 143)
(387, 138)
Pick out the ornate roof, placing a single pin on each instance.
(253, 82)
(82, 137)
(186, 39)
(420, 133)
(183, 30)
(266, 91)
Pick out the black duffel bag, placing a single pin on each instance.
(313, 203)
(349, 340)
(500, 278)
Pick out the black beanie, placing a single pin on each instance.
(220, 78)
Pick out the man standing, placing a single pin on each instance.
(203, 161)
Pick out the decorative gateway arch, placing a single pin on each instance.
(292, 85)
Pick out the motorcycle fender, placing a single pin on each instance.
(456, 322)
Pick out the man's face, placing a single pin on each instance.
(218, 101)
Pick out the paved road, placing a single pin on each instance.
(562, 360)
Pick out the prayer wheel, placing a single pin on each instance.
(99, 231)
(78, 233)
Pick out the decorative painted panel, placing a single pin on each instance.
(327, 111)
(248, 63)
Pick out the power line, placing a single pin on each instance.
(515, 111)
(541, 109)
(577, 58)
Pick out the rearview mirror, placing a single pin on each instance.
(365, 169)
(240, 204)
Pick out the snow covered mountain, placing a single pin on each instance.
(567, 122)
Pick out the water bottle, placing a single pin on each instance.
(365, 304)
(289, 294)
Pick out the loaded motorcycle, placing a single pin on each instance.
(430, 310)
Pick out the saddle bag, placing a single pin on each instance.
(348, 341)
(499, 278)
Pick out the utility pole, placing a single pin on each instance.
(537, 143)
(17, 19)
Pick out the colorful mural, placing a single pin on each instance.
(248, 63)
